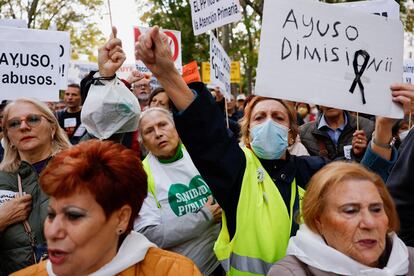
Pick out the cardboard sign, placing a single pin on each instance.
(62, 39)
(15, 23)
(408, 69)
(386, 8)
(209, 14)
(175, 46)
(220, 66)
(329, 55)
(29, 70)
(190, 72)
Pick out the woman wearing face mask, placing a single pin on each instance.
(258, 187)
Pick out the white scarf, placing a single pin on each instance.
(132, 251)
(311, 249)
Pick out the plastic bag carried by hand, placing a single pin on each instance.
(110, 109)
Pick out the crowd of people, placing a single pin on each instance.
(199, 184)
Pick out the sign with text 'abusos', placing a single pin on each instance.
(29, 69)
(174, 40)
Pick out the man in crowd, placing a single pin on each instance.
(70, 117)
(334, 135)
(142, 90)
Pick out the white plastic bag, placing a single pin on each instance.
(110, 109)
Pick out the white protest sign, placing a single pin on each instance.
(80, 69)
(408, 69)
(328, 55)
(220, 66)
(174, 38)
(32, 35)
(386, 8)
(209, 14)
(6, 195)
(29, 70)
(16, 23)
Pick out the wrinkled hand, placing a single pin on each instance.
(359, 142)
(111, 56)
(153, 49)
(135, 76)
(15, 210)
(215, 209)
(403, 93)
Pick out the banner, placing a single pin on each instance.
(190, 72)
(62, 39)
(210, 14)
(220, 66)
(330, 55)
(175, 46)
(15, 23)
(29, 70)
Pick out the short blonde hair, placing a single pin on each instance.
(245, 120)
(11, 160)
(336, 173)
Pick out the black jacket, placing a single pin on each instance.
(400, 183)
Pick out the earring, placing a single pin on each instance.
(120, 231)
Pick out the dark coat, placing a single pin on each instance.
(400, 184)
(312, 138)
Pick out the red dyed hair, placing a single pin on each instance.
(112, 173)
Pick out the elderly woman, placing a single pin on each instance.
(259, 187)
(31, 137)
(178, 213)
(349, 228)
(96, 190)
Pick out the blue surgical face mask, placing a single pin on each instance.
(269, 140)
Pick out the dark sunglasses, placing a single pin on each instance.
(31, 120)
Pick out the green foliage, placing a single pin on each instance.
(74, 16)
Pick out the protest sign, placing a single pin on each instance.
(408, 71)
(234, 72)
(330, 55)
(32, 35)
(209, 14)
(29, 70)
(6, 195)
(190, 72)
(15, 23)
(220, 66)
(175, 46)
(205, 72)
(386, 8)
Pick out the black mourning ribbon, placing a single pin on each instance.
(358, 73)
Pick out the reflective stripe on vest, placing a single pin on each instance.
(150, 180)
(244, 263)
(263, 223)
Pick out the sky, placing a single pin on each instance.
(125, 15)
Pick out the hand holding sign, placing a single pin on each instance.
(403, 93)
(111, 56)
(153, 49)
(359, 142)
(15, 210)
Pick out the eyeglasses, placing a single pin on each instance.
(32, 120)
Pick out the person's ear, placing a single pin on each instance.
(123, 216)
